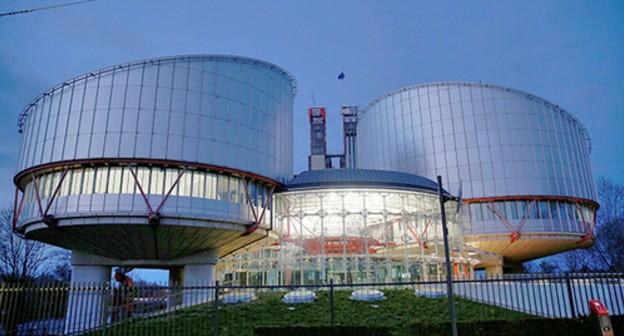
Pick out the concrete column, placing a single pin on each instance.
(89, 297)
(176, 278)
(199, 271)
(494, 271)
(198, 277)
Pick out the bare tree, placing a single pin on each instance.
(608, 250)
(607, 253)
(22, 259)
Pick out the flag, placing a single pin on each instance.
(341, 76)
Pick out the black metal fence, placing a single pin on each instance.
(63, 309)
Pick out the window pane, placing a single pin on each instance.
(534, 210)
(543, 210)
(199, 184)
(562, 211)
(143, 175)
(76, 185)
(101, 180)
(211, 186)
(87, 181)
(156, 183)
(522, 208)
(66, 187)
(222, 187)
(114, 180)
(127, 181)
(253, 190)
(554, 210)
(185, 183)
(234, 189)
(170, 177)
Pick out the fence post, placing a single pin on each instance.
(331, 301)
(570, 296)
(215, 321)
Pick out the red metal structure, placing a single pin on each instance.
(516, 232)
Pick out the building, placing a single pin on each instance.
(176, 162)
(161, 163)
(354, 226)
(520, 163)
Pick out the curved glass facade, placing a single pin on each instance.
(535, 215)
(227, 111)
(197, 129)
(351, 236)
(118, 182)
(495, 140)
(491, 143)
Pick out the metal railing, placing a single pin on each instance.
(89, 308)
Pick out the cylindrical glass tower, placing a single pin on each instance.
(156, 159)
(521, 163)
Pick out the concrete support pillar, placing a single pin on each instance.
(494, 271)
(89, 298)
(176, 281)
(199, 271)
(197, 278)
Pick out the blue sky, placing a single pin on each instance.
(569, 52)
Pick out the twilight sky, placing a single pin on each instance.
(569, 52)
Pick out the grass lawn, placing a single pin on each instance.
(398, 311)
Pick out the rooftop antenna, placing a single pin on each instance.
(313, 99)
(26, 11)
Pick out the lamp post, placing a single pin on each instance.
(447, 256)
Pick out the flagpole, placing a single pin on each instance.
(344, 93)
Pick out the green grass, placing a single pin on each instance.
(398, 311)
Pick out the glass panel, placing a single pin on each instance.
(143, 175)
(534, 210)
(211, 186)
(253, 190)
(87, 181)
(114, 179)
(29, 193)
(66, 187)
(185, 184)
(488, 212)
(170, 178)
(501, 208)
(127, 181)
(101, 180)
(76, 185)
(56, 178)
(156, 182)
(512, 209)
(543, 210)
(222, 187)
(554, 209)
(199, 184)
(234, 189)
(562, 211)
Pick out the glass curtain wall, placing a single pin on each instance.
(351, 236)
(153, 180)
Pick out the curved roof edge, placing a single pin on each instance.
(491, 86)
(360, 178)
(24, 113)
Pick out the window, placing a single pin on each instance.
(87, 181)
(153, 180)
(101, 180)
